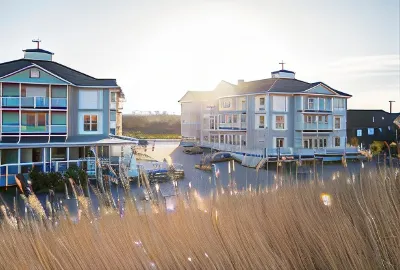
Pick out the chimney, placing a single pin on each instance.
(240, 82)
(391, 101)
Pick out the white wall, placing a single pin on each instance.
(99, 122)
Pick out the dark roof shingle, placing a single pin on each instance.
(73, 76)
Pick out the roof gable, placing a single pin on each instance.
(60, 71)
(320, 89)
(23, 76)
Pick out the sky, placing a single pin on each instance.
(158, 50)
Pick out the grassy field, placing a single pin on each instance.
(152, 126)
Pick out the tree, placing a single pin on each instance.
(354, 141)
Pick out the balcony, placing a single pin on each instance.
(58, 129)
(60, 103)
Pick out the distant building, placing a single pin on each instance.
(279, 112)
(371, 125)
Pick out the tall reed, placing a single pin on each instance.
(351, 222)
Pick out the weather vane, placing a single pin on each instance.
(37, 41)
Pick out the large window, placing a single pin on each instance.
(323, 119)
(279, 122)
(279, 103)
(113, 116)
(339, 103)
(90, 122)
(337, 122)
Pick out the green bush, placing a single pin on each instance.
(377, 147)
(43, 181)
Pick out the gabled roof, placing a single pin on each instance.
(196, 96)
(68, 74)
(38, 50)
(370, 118)
(279, 85)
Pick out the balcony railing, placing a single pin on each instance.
(10, 128)
(233, 126)
(59, 103)
(10, 101)
(315, 126)
(34, 129)
(33, 102)
(58, 129)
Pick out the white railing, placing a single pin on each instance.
(8, 171)
(283, 151)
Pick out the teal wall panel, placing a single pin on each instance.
(10, 118)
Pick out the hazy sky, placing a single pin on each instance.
(157, 50)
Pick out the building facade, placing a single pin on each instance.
(277, 113)
(366, 126)
(51, 115)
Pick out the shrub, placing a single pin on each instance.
(79, 175)
(43, 181)
(377, 147)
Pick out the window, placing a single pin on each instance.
(308, 119)
(113, 96)
(262, 102)
(306, 144)
(90, 122)
(113, 116)
(279, 122)
(243, 118)
(261, 123)
(226, 104)
(337, 141)
(243, 105)
(221, 138)
(235, 118)
(322, 143)
(280, 142)
(337, 122)
(310, 104)
(279, 103)
(205, 138)
(222, 119)
(229, 119)
(34, 73)
(112, 131)
(339, 103)
(322, 103)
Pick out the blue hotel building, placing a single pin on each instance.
(51, 115)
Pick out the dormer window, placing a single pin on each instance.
(35, 73)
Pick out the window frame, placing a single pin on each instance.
(91, 122)
(31, 72)
(115, 97)
(263, 122)
(308, 103)
(340, 122)
(283, 124)
(334, 141)
(281, 140)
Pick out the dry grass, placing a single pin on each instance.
(356, 227)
